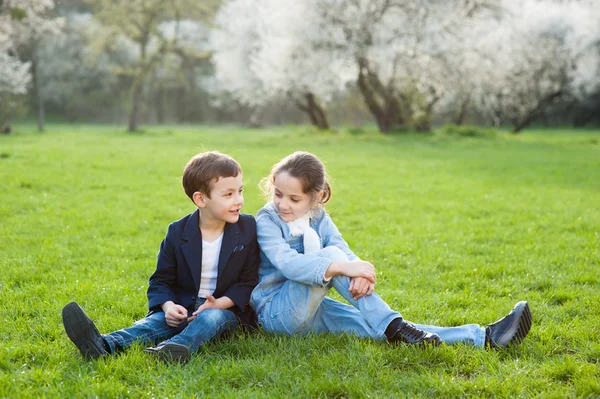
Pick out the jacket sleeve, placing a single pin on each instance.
(240, 292)
(165, 275)
(303, 268)
(334, 238)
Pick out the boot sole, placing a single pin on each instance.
(523, 325)
(79, 328)
(437, 341)
(525, 322)
(171, 353)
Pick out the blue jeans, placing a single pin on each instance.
(299, 309)
(153, 329)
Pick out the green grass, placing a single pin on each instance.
(459, 230)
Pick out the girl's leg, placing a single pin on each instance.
(207, 325)
(371, 308)
(378, 314)
(298, 309)
(292, 309)
(150, 329)
(338, 318)
(472, 334)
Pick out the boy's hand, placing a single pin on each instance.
(359, 287)
(221, 303)
(211, 302)
(175, 315)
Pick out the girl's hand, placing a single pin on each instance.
(360, 268)
(359, 287)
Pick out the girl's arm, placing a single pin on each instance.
(363, 273)
(333, 237)
(303, 268)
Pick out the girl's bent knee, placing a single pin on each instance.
(333, 253)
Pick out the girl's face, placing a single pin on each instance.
(289, 199)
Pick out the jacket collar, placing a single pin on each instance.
(192, 249)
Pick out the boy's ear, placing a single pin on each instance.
(199, 199)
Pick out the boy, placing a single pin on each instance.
(206, 270)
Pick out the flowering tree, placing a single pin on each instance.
(404, 51)
(400, 54)
(139, 22)
(22, 24)
(268, 50)
(534, 57)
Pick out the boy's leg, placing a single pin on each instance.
(151, 329)
(207, 325)
(84, 334)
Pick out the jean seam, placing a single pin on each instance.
(150, 336)
(215, 333)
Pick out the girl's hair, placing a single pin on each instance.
(305, 167)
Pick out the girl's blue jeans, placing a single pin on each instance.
(153, 329)
(299, 309)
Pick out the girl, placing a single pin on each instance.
(303, 255)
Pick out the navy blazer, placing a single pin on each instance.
(179, 265)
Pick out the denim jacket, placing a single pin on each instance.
(282, 256)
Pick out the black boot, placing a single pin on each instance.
(401, 331)
(511, 329)
(82, 331)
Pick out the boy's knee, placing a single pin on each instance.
(211, 316)
(333, 253)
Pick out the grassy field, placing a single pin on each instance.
(459, 230)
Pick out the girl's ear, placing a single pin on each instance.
(199, 199)
(320, 196)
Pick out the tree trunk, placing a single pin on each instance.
(160, 105)
(179, 104)
(314, 111)
(136, 99)
(39, 100)
(318, 112)
(372, 103)
(388, 111)
(531, 115)
(462, 113)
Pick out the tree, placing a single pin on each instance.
(392, 47)
(70, 72)
(533, 57)
(139, 22)
(267, 50)
(22, 24)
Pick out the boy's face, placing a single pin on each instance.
(289, 199)
(226, 200)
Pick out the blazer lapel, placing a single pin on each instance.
(230, 241)
(192, 249)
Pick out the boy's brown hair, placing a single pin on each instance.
(205, 169)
